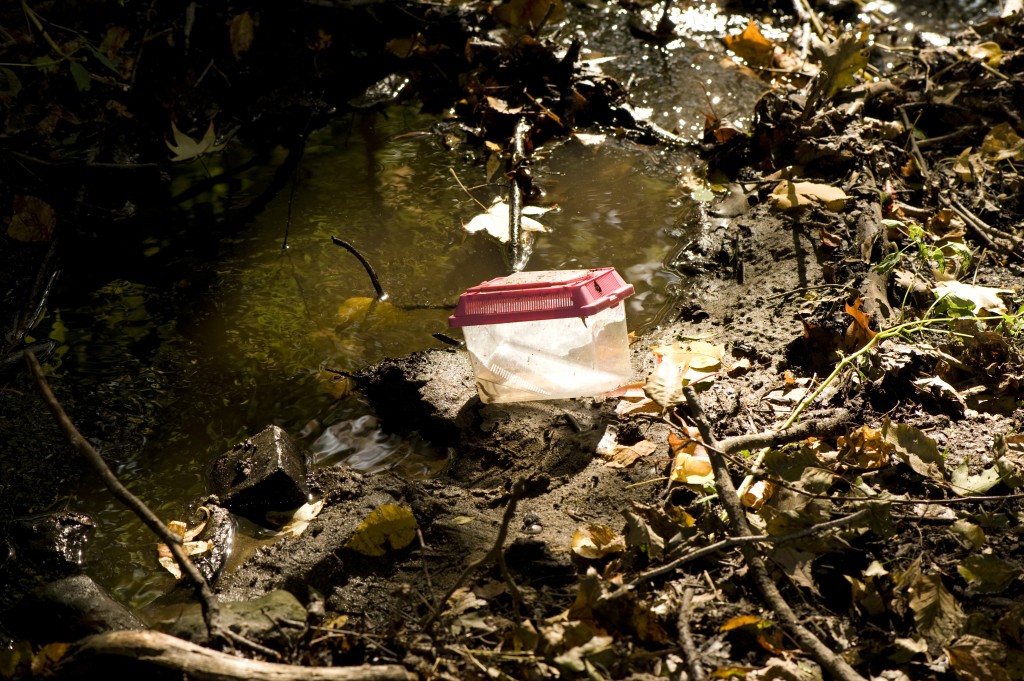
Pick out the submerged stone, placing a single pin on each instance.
(264, 473)
(68, 609)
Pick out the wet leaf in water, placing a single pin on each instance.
(387, 524)
(295, 522)
(185, 148)
(495, 221)
(33, 220)
(751, 45)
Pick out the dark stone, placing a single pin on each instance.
(264, 473)
(257, 620)
(69, 609)
(53, 543)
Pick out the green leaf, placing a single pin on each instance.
(81, 76)
(965, 484)
(840, 60)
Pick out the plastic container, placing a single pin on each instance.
(546, 335)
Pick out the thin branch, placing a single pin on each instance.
(693, 666)
(121, 493)
(518, 489)
(518, 163)
(381, 295)
(834, 664)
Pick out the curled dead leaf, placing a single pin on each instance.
(595, 541)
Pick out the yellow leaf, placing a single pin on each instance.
(988, 52)
(751, 45)
(788, 195)
(387, 524)
(742, 621)
(185, 148)
(241, 33)
(595, 540)
(462, 519)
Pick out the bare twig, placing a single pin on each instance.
(518, 163)
(381, 295)
(693, 665)
(518, 489)
(134, 504)
(834, 664)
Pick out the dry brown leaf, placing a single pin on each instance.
(625, 455)
(859, 333)
(788, 195)
(241, 32)
(33, 220)
(758, 493)
(864, 448)
(594, 541)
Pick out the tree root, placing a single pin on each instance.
(129, 654)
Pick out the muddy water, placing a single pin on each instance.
(255, 349)
(177, 377)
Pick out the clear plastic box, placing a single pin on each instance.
(546, 335)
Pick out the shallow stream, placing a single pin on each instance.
(179, 376)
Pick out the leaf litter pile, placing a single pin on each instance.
(821, 474)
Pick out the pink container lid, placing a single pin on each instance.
(533, 296)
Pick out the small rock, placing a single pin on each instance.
(68, 609)
(265, 473)
(257, 620)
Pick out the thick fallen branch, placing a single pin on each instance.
(831, 662)
(131, 653)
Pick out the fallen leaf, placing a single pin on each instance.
(987, 574)
(751, 46)
(595, 541)
(864, 448)
(984, 298)
(529, 13)
(241, 32)
(495, 221)
(691, 465)
(1001, 143)
(859, 333)
(295, 522)
(915, 449)
(965, 483)
(978, 659)
(185, 148)
(33, 220)
(988, 52)
(757, 494)
(788, 195)
(625, 455)
(937, 614)
(840, 60)
(387, 524)
(743, 621)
